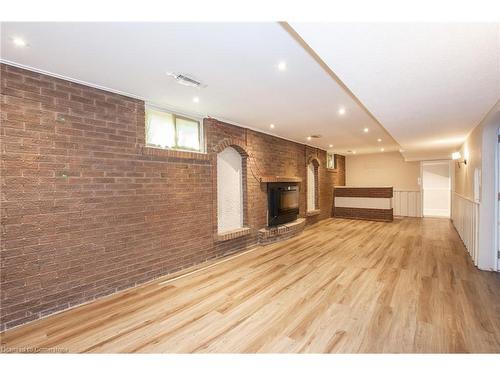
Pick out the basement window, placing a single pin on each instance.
(171, 131)
(330, 161)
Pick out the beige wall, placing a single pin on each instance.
(472, 151)
(384, 169)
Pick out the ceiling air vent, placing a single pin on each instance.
(315, 136)
(184, 79)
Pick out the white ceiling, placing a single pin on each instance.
(237, 62)
(429, 85)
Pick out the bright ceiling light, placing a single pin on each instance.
(196, 99)
(19, 42)
(271, 126)
(354, 151)
(382, 149)
(330, 146)
(366, 130)
(282, 66)
(401, 150)
(456, 155)
(309, 138)
(341, 111)
(379, 140)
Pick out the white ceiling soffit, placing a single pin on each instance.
(429, 85)
(237, 61)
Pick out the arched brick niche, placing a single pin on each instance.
(230, 177)
(237, 144)
(312, 186)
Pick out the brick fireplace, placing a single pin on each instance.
(283, 202)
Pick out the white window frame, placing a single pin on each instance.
(201, 132)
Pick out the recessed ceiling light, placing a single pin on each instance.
(330, 146)
(309, 138)
(366, 130)
(401, 150)
(382, 149)
(379, 140)
(19, 42)
(196, 99)
(271, 126)
(354, 151)
(341, 111)
(282, 66)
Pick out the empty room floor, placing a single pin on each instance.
(341, 286)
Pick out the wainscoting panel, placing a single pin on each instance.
(407, 203)
(465, 217)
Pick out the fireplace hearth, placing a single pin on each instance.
(283, 202)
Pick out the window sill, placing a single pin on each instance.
(232, 234)
(313, 213)
(166, 153)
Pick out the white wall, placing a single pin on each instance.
(480, 150)
(229, 190)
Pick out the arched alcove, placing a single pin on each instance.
(312, 185)
(229, 190)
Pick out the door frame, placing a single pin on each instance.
(451, 171)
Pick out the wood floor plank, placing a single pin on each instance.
(342, 286)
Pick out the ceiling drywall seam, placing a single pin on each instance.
(332, 74)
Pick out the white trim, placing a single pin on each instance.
(364, 202)
(230, 122)
(66, 78)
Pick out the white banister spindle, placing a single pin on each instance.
(465, 215)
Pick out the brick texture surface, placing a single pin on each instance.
(364, 213)
(87, 209)
(365, 192)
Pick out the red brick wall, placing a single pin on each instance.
(364, 213)
(87, 210)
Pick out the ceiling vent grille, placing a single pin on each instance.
(186, 80)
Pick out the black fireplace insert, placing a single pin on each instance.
(283, 202)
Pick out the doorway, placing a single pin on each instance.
(436, 188)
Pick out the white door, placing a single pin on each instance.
(436, 185)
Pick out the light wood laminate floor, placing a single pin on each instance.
(341, 286)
